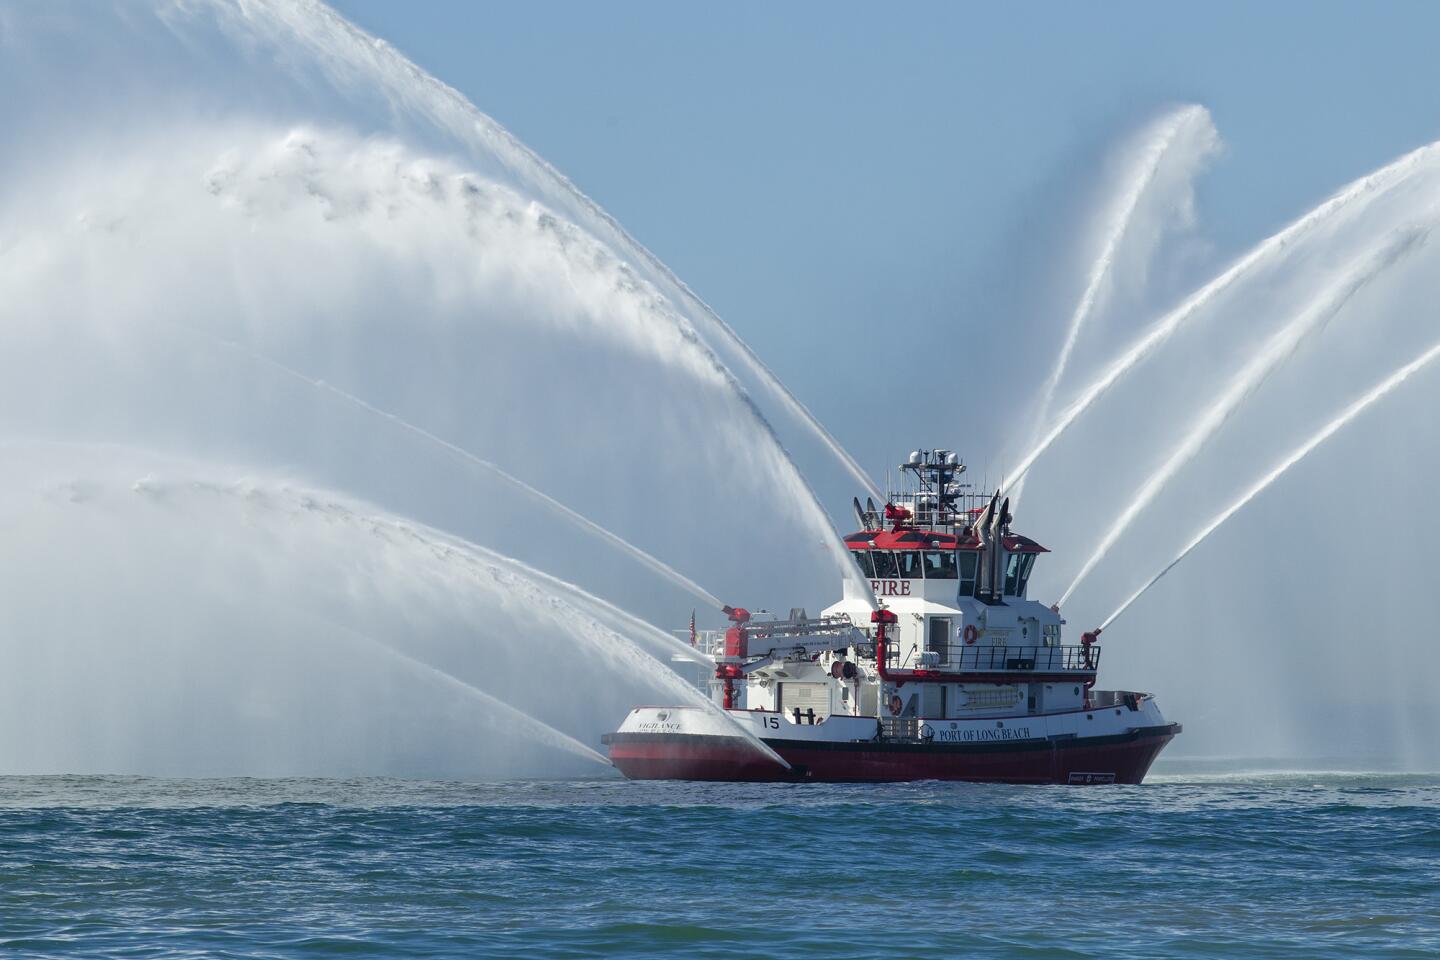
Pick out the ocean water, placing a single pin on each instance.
(1205, 860)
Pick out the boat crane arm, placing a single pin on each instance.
(767, 642)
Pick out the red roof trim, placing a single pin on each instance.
(932, 540)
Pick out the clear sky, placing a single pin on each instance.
(818, 172)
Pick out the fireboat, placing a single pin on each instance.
(950, 671)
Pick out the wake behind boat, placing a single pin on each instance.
(958, 675)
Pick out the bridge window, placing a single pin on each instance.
(911, 564)
(967, 561)
(885, 565)
(867, 565)
(939, 565)
(1017, 573)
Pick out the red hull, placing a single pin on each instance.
(1119, 759)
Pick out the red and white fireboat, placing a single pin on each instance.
(957, 675)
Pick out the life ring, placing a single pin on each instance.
(972, 633)
(896, 705)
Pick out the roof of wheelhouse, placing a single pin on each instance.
(920, 539)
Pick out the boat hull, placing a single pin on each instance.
(1118, 758)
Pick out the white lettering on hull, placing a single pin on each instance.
(983, 736)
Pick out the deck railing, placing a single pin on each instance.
(964, 658)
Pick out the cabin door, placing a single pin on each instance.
(938, 640)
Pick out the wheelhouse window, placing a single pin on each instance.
(884, 563)
(912, 566)
(867, 565)
(1017, 573)
(967, 563)
(940, 565)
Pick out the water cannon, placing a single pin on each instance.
(1088, 639)
(736, 614)
(897, 515)
(882, 615)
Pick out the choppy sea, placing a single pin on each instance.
(1204, 860)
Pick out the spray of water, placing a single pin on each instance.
(1329, 301)
(492, 705)
(1146, 158)
(431, 593)
(1359, 406)
(352, 60)
(472, 556)
(621, 620)
(476, 295)
(1356, 194)
(655, 565)
(480, 562)
(481, 565)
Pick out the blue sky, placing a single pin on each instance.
(820, 173)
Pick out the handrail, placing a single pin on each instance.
(1039, 658)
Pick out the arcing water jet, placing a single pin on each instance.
(1155, 143)
(352, 59)
(1329, 301)
(1370, 397)
(1361, 191)
(540, 731)
(645, 559)
(605, 641)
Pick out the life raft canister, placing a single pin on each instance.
(972, 633)
(896, 705)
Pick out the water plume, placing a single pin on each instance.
(624, 654)
(1359, 406)
(1356, 194)
(654, 564)
(1188, 127)
(472, 556)
(542, 732)
(449, 612)
(1329, 301)
(356, 64)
